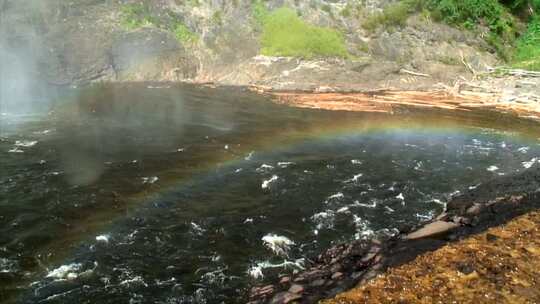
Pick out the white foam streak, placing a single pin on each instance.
(66, 272)
(279, 244)
(266, 183)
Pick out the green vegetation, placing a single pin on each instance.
(502, 26)
(184, 34)
(259, 12)
(494, 17)
(394, 15)
(494, 20)
(136, 15)
(527, 55)
(286, 34)
(217, 18)
(346, 11)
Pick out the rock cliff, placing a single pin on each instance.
(218, 41)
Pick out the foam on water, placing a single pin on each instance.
(150, 179)
(66, 272)
(529, 164)
(371, 205)
(492, 168)
(324, 220)
(279, 244)
(284, 164)
(266, 183)
(336, 196)
(355, 178)
(15, 150)
(7, 265)
(264, 168)
(25, 143)
(257, 271)
(363, 230)
(104, 238)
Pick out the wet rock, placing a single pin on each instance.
(431, 230)
(285, 280)
(318, 283)
(356, 275)
(296, 288)
(299, 279)
(491, 237)
(474, 209)
(368, 257)
(285, 297)
(335, 268)
(337, 275)
(262, 292)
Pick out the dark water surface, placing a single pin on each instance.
(137, 194)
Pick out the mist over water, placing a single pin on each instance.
(23, 84)
(131, 193)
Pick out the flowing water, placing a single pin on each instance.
(144, 194)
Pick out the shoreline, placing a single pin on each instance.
(347, 265)
(389, 101)
(497, 202)
(500, 265)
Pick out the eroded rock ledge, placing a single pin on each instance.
(343, 266)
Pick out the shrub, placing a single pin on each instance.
(488, 13)
(136, 15)
(527, 55)
(285, 34)
(259, 12)
(393, 15)
(184, 34)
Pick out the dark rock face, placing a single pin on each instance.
(343, 266)
(84, 41)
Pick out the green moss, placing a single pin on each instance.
(285, 34)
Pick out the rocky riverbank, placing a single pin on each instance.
(343, 266)
(501, 265)
(516, 94)
(76, 43)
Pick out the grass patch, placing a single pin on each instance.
(286, 34)
(527, 55)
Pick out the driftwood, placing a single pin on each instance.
(513, 72)
(414, 73)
